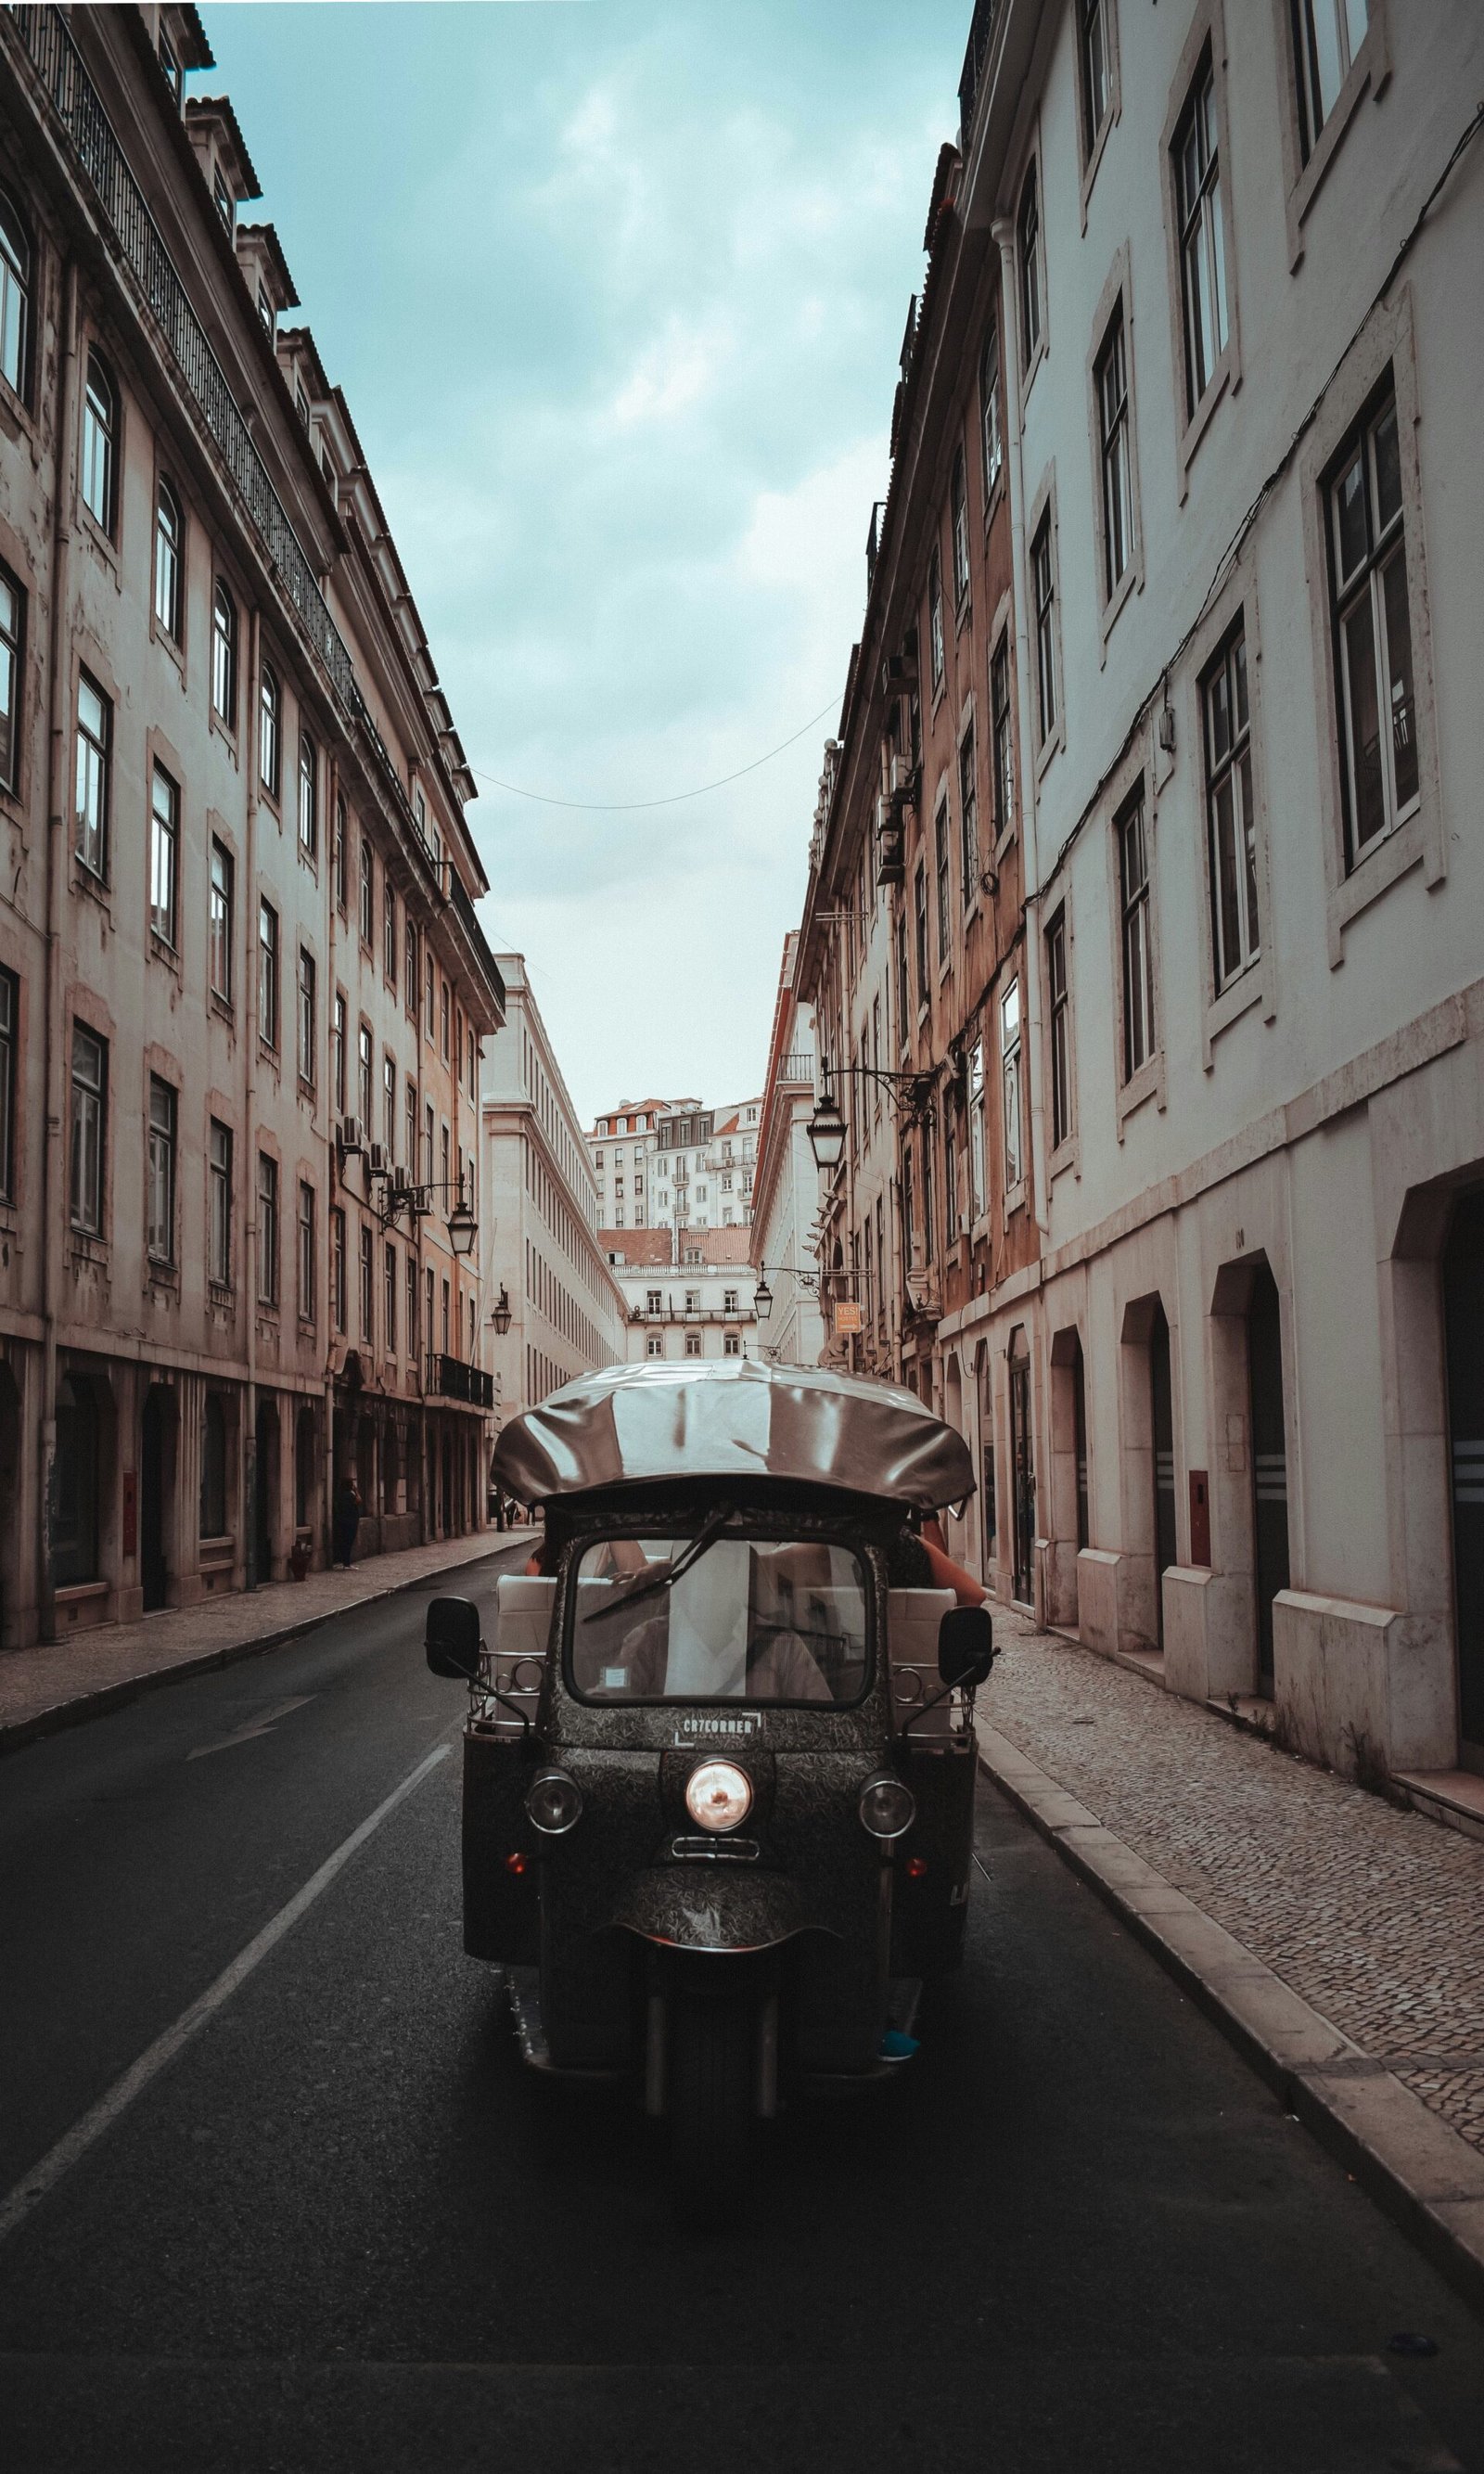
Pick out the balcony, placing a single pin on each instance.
(798, 1068)
(987, 13)
(449, 1378)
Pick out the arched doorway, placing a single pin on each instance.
(265, 1523)
(75, 1484)
(1162, 1425)
(447, 1484)
(990, 1511)
(1022, 1470)
(10, 1531)
(1463, 1308)
(1270, 1460)
(154, 1455)
(305, 1467)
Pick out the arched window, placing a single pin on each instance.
(100, 442)
(169, 534)
(15, 280)
(213, 1467)
(309, 795)
(268, 732)
(224, 655)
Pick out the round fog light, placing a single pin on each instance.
(553, 1801)
(718, 1795)
(887, 1806)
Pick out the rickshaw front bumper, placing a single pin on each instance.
(707, 1911)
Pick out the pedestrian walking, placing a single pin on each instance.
(348, 1518)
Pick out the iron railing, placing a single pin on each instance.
(986, 15)
(450, 1378)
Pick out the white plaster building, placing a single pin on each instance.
(1248, 511)
(688, 1292)
(675, 1164)
(787, 1182)
(542, 1258)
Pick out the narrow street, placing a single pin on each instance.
(342, 2227)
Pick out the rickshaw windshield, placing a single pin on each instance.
(781, 1620)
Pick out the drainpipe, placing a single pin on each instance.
(53, 1159)
(331, 1155)
(1004, 232)
(249, 748)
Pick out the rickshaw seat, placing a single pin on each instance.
(912, 1619)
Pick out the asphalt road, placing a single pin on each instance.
(342, 2228)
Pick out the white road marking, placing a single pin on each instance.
(33, 2187)
(257, 1726)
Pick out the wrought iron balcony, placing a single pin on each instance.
(987, 16)
(450, 1378)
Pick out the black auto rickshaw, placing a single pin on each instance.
(719, 1766)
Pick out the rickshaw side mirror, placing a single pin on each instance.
(452, 1638)
(966, 1646)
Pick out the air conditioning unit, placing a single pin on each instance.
(886, 818)
(402, 1180)
(904, 775)
(422, 1200)
(352, 1134)
(378, 1160)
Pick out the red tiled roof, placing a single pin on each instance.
(642, 1249)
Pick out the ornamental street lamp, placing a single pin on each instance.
(762, 1300)
(826, 1131)
(463, 1227)
(499, 1314)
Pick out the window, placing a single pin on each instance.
(308, 1042)
(427, 1143)
(430, 991)
(164, 856)
(90, 1103)
(1028, 233)
(389, 1299)
(412, 1307)
(656, 1345)
(368, 890)
(1328, 34)
(213, 1467)
(160, 1212)
(219, 1205)
(267, 974)
(389, 1103)
(365, 1077)
(1138, 961)
(1003, 752)
(909, 1221)
(940, 857)
(13, 606)
(443, 1020)
(1096, 82)
(960, 506)
(411, 968)
(1230, 823)
(1043, 586)
(652, 1302)
(169, 533)
(692, 1344)
(920, 926)
(978, 1191)
(1010, 1083)
(389, 932)
(15, 311)
(410, 1121)
(338, 1044)
(338, 1301)
(267, 1229)
(269, 753)
(936, 618)
(223, 196)
(1115, 447)
(100, 442)
(1372, 630)
(731, 1345)
(1061, 1032)
(308, 797)
(1203, 246)
(306, 1281)
(265, 309)
(929, 1206)
(224, 656)
(10, 1036)
(968, 818)
(444, 1303)
(95, 746)
(337, 855)
(368, 1275)
(990, 438)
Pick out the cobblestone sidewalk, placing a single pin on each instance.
(1374, 1916)
(42, 1688)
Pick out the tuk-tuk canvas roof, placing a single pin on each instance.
(733, 1417)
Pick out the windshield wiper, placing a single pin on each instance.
(706, 1536)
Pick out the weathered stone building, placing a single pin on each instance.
(242, 984)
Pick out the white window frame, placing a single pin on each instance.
(1114, 312)
(1043, 513)
(1305, 171)
(1090, 142)
(1207, 32)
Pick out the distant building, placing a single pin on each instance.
(786, 1192)
(542, 1258)
(688, 1292)
(675, 1164)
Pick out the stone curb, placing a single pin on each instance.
(15, 1733)
(1425, 2177)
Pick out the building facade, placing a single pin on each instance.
(688, 1295)
(787, 1190)
(544, 1261)
(242, 983)
(675, 1164)
(1243, 1334)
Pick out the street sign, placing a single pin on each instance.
(847, 1315)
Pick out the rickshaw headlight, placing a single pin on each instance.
(718, 1795)
(887, 1806)
(553, 1803)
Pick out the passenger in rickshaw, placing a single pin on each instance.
(707, 1638)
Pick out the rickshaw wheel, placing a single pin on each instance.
(713, 2064)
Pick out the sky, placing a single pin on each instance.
(616, 290)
